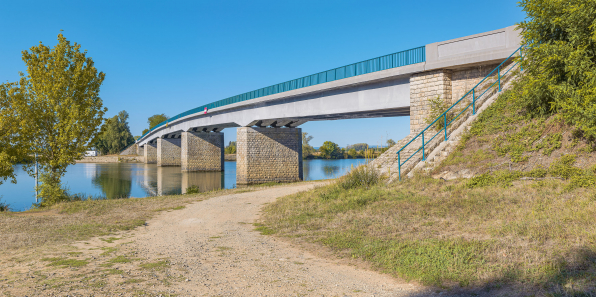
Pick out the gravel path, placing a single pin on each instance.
(214, 245)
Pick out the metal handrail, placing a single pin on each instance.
(444, 114)
(399, 59)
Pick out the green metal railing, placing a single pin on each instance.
(403, 58)
(472, 104)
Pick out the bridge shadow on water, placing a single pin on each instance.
(573, 276)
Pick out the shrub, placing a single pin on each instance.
(560, 65)
(361, 176)
(193, 190)
(437, 107)
(50, 189)
(4, 207)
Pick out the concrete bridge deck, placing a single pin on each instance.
(446, 69)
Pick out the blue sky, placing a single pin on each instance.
(171, 56)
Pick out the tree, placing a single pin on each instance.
(115, 135)
(231, 148)
(560, 61)
(58, 102)
(330, 150)
(359, 146)
(307, 149)
(390, 142)
(14, 144)
(156, 119)
(352, 153)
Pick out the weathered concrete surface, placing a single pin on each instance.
(168, 152)
(268, 155)
(202, 151)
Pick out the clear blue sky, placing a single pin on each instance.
(170, 56)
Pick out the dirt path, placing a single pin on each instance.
(208, 248)
(214, 242)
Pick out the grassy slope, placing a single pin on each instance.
(524, 224)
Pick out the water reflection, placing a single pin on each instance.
(117, 180)
(205, 181)
(330, 170)
(114, 181)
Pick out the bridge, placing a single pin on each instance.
(269, 144)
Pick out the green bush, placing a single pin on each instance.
(437, 107)
(362, 176)
(193, 190)
(4, 207)
(51, 190)
(559, 61)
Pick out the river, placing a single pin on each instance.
(123, 180)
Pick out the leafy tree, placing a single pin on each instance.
(359, 146)
(330, 150)
(231, 148)
(14, 144)
(58, 102)
(156, 119)
(390, 142)
(144, 131)
(115, 135)
(307, 149)
(560, 61)
(352, 153)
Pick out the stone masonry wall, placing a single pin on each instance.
(130, 150)
(425, 86)
(168, 151)
(268, 155)
(150, 153)
(462, 80)
(202, 151)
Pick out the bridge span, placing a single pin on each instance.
(269, 144)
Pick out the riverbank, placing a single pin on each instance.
(113, 159)
(186, 245)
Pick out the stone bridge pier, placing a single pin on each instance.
(268, 155)
(202, 151)
(150, 153)
(168, 151)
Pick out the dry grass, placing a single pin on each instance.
(495, 233)
(532, 235)
(72, 221)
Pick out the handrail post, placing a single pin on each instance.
(399, 165)
(499, 72)
(423, 159)
(473, 101)
(445, 116)
(521, 55)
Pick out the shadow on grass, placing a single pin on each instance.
(574, 276)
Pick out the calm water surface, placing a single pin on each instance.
(118, 180)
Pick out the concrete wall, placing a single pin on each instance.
(150, 153)
(202, 151)
(268, 155)
(168, 151)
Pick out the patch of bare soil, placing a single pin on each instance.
(208, 248)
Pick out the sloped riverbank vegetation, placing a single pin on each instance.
(524, 223)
